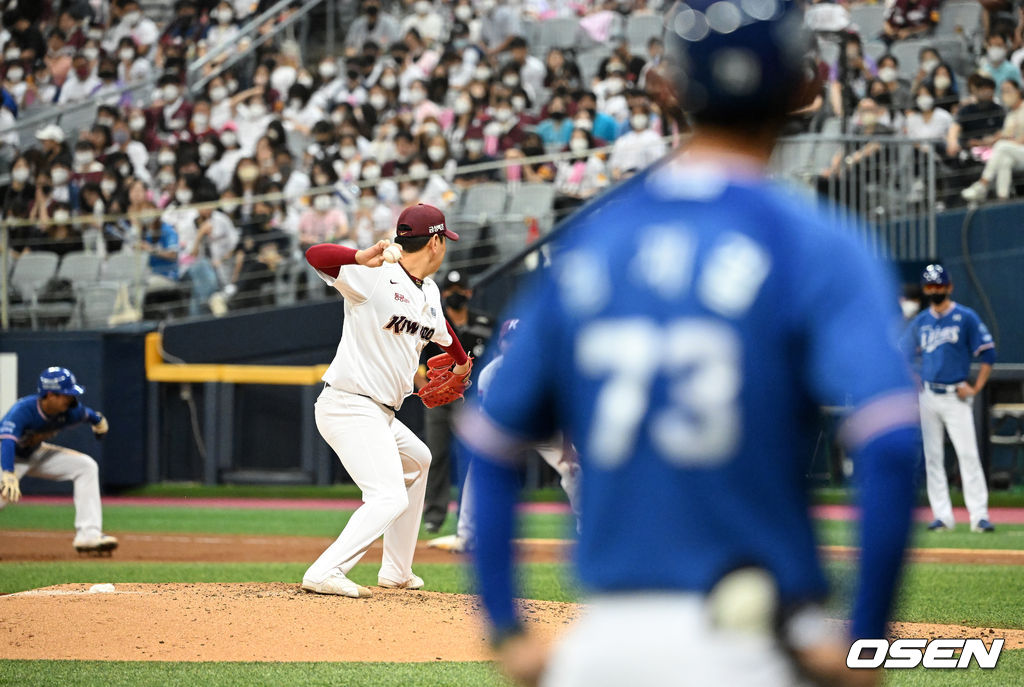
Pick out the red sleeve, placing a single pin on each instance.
(455, 349)
(328, 257)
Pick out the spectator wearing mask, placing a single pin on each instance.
(439, 157)
(371, 25)
(473, 147)
(632, 65)
(86, 168)
(425, 20)
(221, 111)
(420, 105)
(532, 172)
(185, 27)
(170, 111)
(406, 149)
(928, 60)
(60, 237)
(510, 132)
(130, 66)
(532, 71)
(898, 89)
(20, 192)
(1007, 150)
(81, 82)
(110, 91)
(41, 90)
(582, 176)
(904, 19)
(862, 165)
(637, 148)
(561, 71)
(500, 24)
(655, 53)
(557, 127)
(65, 188)
(995, 65)
(51, 139)
(143, 32)
(324, 221)
(223, 30)
(58, 56)
(977, 123)
(603, 126)
(944, 86)
(206, 256)
(849, 79)
(611, 98)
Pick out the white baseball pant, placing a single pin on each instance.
(947, 411)
(389, 464)
(661, 639)
(1007, 157)
(61, 464)
(552, 452)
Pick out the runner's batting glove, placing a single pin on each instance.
(101, 427)
(444, 386)
(9, 487)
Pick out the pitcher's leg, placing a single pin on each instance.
(400, 539)
(358, 432)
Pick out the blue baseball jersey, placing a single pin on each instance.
(946, 344)
(684, 338)
(25, 426)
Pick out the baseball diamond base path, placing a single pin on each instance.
(226, 548)
(252, 622)
(278, 622)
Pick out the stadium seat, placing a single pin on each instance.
(589, 61)
(483, 201)
(95, 304)
(533, 200)
(79, 267)
(959, 18)
(31, 273)
(869, 20)
(640, 28)
(128, 267)
(560, 32)
(78, 119)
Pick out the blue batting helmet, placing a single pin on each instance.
(59, 380)
(934, 275)
(739, 60)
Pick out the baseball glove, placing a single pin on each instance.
(444, 386)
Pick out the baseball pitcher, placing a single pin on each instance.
(946, 337)
(24, 450)
(683, 340)
(392, 309)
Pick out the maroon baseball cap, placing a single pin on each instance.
(423, 220)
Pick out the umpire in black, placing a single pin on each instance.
(473, 330)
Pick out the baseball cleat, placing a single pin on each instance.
(97, 546)
(452, 543)
(983, 526)
(414, 582)
(938, 526)
(338, 585)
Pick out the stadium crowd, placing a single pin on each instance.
(421, 90)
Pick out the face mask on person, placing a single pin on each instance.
(996, 54)
(925, 103)
(225, 16)
(409, 194)
(206, 152)
(84, 158)
(436, 153)
(463, 106)
(218, 93)
(638, 122)
(20, 174)
(456, 301)
(388, 81)
(171, 93)
(909, 307)
(937, 298)
(126, 54)
(421, 7)
(132, 18)
(166, 157)
(416, 96)
(557, 115)
(928, 66)
(166, 179)
(482, 73)
(518, 103)
(367, 201)
(108, 186)
(15, 74)
(121, 136)
(125, 170)
(584, 124)
(869, 118)
(419, 171)
(61, 216)
(257, 110)
(503, 114)
(510, 80)
(942, 82)
(229, 139)
(888, 74)
(248, 173)
(183, 196)
(107, 75)
(474, 146)
(464, 13)
(105, 120)
(327, 70)
(578, 145)
(322, 203)
(371, 173)
(90, 53)
(295, 104)
(12, 54)
(137, 123)
(200, 122)
(60, 176)
(615, 85)
(347, 152)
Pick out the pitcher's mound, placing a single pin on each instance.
(251, 622)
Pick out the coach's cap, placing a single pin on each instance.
(423, 220)
(934, 275)
(51, 132)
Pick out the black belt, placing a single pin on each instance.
(385, 405)
(942, 388)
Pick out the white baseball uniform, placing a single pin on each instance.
(388, 321)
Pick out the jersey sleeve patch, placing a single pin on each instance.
(879, 416)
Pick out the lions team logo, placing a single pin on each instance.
(933, 337)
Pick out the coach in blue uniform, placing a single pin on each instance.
(683, 338)
(946, 337)
(24, 450)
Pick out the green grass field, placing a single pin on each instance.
(973, 595)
